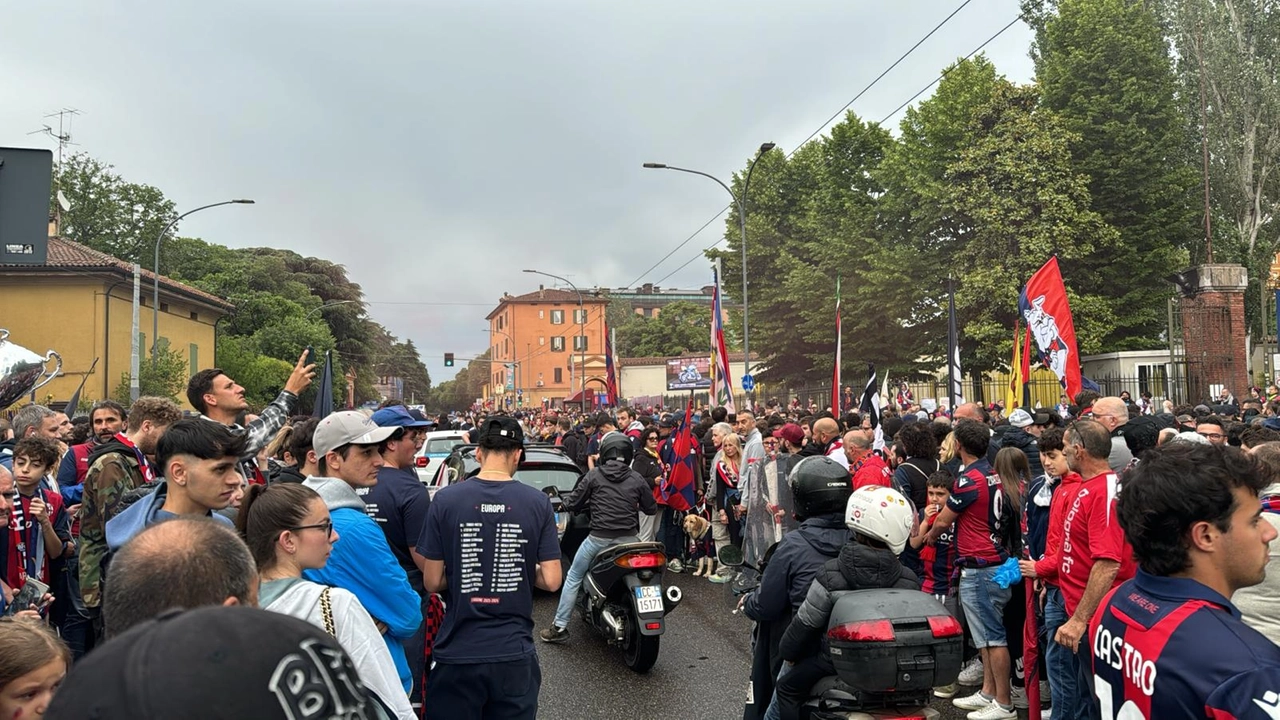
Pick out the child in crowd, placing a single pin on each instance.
(938, 559)
(33, 662)
(40, 531)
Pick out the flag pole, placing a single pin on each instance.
(835, 374)
(953, 346)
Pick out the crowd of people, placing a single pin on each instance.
(323, 581)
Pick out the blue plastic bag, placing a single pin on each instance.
(1008, 574)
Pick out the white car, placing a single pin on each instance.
(437, 447)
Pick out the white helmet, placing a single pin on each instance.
(881, 513)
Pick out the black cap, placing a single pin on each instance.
(667, 421)
(500, 426)
(215, 662)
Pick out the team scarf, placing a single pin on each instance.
(19, 527)
(144, 466)
(1271, 503)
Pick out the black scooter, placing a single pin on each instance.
(622, 595)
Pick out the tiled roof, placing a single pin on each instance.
(551, 295)
(64, 253)
(631, 362)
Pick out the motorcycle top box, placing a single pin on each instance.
(898, 641)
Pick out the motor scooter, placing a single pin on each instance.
(622, 594)
(890, 648)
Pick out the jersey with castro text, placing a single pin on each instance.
(1090, 532)
(978, 500)
(1169, 648)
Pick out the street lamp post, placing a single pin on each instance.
(317, 309)
(155, 269)
(582, 330)
(741, 203)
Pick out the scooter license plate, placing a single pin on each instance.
(648, 599)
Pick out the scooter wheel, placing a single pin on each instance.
(641, 651)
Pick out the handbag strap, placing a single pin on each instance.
(326, 611)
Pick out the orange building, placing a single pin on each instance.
(541, 346)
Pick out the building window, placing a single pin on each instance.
(558, 374)
(579, 343)
(193, 354)
(499, 322)
(580, 317)
(164, 307)
(541, 315)
(541, 341)
(557, 317)
(557, 343)
(195, 315)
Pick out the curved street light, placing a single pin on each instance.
(741, 203)
(155, 270)
(582, 330)
(318, 308)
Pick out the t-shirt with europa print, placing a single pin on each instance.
(491, 536)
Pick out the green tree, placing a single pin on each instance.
(1016, 189)
(1104, 69)
(165, 376)
(107, 213)
(679, 328)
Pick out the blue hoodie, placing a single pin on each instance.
(363, 564)
(143, 513)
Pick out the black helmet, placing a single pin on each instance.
(617, 446)
(820, 486)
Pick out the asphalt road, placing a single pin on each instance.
(701, 673)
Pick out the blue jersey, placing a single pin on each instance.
(939, 561)
(1167, 648)
(491, 536)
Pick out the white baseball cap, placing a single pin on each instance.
(347, 428)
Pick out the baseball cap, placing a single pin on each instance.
(347, 428)
(1020, 418)
(182, 664)
(790, 432)
(501, 426)
(396, 416)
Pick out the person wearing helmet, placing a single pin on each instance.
(880, 521)
(820, 489)
(615, 495)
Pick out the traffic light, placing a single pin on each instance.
(448, 359)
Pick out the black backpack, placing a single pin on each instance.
(575, 446)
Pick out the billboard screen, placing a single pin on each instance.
(689, 373)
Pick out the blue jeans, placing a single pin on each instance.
(983, 602)
(582, 560)
(1069, 702)
(671, 534)
(772, 712)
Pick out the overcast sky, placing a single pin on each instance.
(437, 148)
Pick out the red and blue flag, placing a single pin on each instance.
(677, 488)
(1044, 307)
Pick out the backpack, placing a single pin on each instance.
(575, 446)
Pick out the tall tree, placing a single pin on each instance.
(679, 328)
(108, 213)
(1105, 70)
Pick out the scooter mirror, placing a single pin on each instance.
(731, 556)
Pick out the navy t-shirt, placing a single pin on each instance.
(398, 503)
(491, 536)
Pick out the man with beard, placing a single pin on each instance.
(106, 419)
(218, 398)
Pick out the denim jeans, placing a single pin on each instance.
(671, 534)
(983, 602)
(772, 712)
(1068, 700)
(582, 560)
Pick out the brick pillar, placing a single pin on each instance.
(1213, 329)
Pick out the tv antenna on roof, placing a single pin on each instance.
(63, 136)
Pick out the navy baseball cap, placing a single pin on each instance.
(397, 416)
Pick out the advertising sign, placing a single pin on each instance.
(689, 373)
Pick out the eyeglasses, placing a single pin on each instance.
(1212, 436)
(326, 526)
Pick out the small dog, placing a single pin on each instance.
(697, 528)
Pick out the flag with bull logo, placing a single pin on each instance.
(1044, 307)
(678, 453)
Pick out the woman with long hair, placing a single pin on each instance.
(288, 530)
(728, 473)
(33, 662)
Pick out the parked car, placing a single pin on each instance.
(545, 467)
(434, 450)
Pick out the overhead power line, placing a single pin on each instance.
(812, 135)
(885, 119)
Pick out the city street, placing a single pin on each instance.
(701, 673)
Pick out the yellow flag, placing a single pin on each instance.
(1013, 393)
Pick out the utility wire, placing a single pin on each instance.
(886, 118)
(812, 135)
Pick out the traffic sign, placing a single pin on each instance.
(748, 383)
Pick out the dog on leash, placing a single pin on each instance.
(698, 528)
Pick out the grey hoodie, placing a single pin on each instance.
(336, 493)
(613, 493)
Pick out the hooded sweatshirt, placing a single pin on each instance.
(353, 629)
(1258, 604)
(143, 513)
(858, 567)
(614, 493)
(362, 563)
(790, 572)
(1027, 443)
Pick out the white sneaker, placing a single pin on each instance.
(1046, 714)
(993, 712)
(976, 701)
(1018, 696)
(971, 674)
